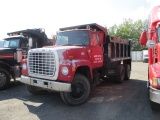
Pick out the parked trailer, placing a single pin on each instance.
(81, 56)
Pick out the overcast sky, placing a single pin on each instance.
(54, 14)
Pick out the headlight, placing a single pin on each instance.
(64, 70)
(24, 66)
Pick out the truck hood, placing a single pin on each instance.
(7, 53)
(64, 52)
(7, 50)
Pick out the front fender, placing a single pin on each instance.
(78, 63)
(8, 67)
(154, 71)
(72, 68)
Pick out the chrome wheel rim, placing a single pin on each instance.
(78, 90)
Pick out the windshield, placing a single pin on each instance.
(11, 43)
(77, 37)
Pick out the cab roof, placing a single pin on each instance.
(37, 32)
(92, 26)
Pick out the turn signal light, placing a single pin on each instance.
(154, 81)
(89, 50)
(70, 58)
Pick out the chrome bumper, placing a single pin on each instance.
(46, 84)
(154, 95)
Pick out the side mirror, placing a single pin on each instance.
(30, 42)
(143, 38)
(150, 43)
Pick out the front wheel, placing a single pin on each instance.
(80, 90)
(4, 79)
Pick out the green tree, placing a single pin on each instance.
(130, 29)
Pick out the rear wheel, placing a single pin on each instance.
(4, 79)
(127, 71)
(120, 74)
(80, 91)
(35, 90)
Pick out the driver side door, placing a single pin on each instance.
(96, 48)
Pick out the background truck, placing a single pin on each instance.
(15, 48)
(154, 56)
(145, 55)
(82, 56)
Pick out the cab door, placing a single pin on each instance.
(24, 47)
(96, 50)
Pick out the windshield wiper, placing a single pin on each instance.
(67, 45)
(79, 44)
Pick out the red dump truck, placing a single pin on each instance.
(153, 44)
(82, 56)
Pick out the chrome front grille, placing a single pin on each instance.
(41, 63)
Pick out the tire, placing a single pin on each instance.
(35, 90)
(4, 79)
(155, 106)
(113, 78)
(80, 91)
(120, 74)
(127, 71)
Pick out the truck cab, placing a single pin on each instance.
(17, 42)
(88, 39)
(15, 48)
(153, 44)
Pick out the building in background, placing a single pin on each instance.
(145, 55)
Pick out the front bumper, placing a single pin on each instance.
(154, 95)
(46, 84)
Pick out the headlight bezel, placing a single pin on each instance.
(64, 70)
(24, 66)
